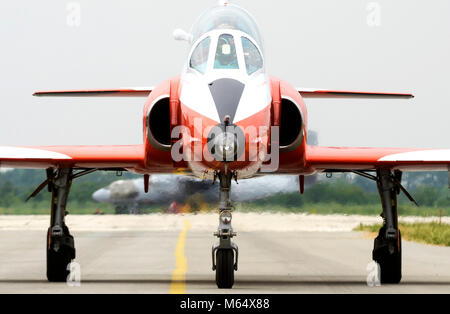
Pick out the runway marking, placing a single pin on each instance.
(178, 284)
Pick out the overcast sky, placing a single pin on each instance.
(321, 43)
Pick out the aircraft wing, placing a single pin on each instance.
(120, 92)
(145, 91)
(101, 157)
(323, 93)
(347, 158)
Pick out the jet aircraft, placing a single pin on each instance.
(225, 118)
(128, 196)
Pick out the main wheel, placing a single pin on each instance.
(225, 268)
(58, 261)
(390, 262)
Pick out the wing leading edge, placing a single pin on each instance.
(101, 157)
(121, 92)
(322, 93)
(348, 158)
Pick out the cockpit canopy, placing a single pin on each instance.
(199, 58)
(226, 56)
(226, 17)
(226, 37)
(226, 51)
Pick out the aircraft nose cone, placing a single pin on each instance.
(101, 196)
(227, 95)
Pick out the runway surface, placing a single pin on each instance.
(179, 261)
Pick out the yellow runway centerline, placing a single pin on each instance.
(178, 284)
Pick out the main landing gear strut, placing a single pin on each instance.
(225, 252)
(60, 243)
(387, 251)
(387, 248)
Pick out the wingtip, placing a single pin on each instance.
(38, 94)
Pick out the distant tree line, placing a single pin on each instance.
(429, 189)
(16, 185)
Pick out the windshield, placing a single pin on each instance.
(199, 58)
(226, 17)
(252, 56)
(226, 57)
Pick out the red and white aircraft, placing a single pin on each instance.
(224, 118)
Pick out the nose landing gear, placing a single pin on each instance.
(225, 253)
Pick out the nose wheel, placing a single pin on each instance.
(225, 267)
(225, 253)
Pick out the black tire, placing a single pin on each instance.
(390, 263)
(57, 262)
(225, 269)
